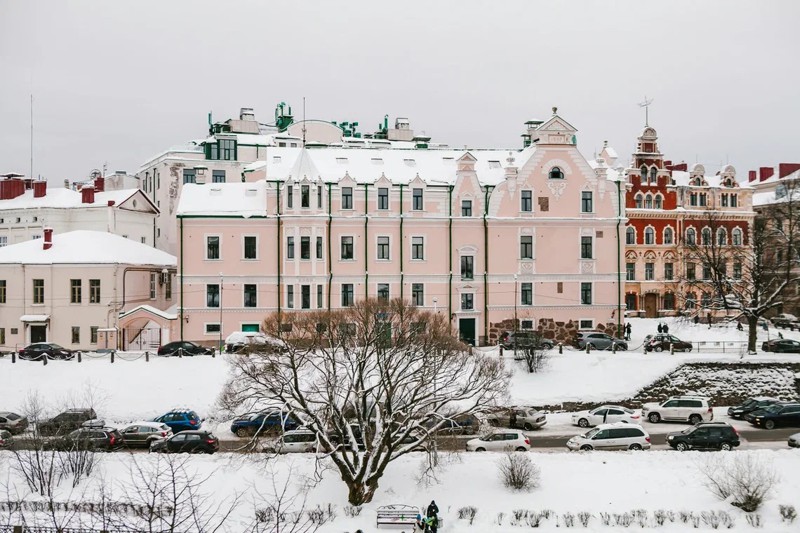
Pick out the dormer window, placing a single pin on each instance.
(698, 182)
(556, 174)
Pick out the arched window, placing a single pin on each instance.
(737, 237)
(644, 172)
(691, 236)
(698, 181)
(653, 173)
(649, 236)
(630, 235)
(691, 299)
(639, 201)
(658, 202)
(648, 201)
(669, 300)
(556, 174)
(706, 300)
(706, 235)
(722, 237)
(668, 235)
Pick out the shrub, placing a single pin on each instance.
(661, 516)
(352, 511)
(753, 519)
(499, 519)
(745, 479)
(624, 519)
(717, 519)
(640, 515)
(321, 515)
(584, 517)
(605, 518)
(467, 513)
(788, 513)
(518, 517)
(568, 519)
(518, 472)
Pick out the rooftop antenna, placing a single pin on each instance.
(31, 174)
(646, 106)
(304, 122)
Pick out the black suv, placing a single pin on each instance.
(775, 415)
(189, 348)
(87, 438)
(193, 441)
(705, 436)
(752, 404)
(662, 341)
(63, 423)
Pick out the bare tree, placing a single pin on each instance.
(283, 508)
(373, 382)
(746, 480)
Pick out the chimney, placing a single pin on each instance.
(765, 173)
(48, 239)
(784, 169)
(752, 176)
(10, 188)
(87, 195)
(39, 189)
(111, 203)
(100, 184)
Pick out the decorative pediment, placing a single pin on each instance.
(467, 162)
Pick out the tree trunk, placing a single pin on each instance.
(752, 332)
(361, 492)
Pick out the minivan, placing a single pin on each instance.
(619, 436)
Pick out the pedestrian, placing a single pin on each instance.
(433, 509)
(780, 335)
(739, 326)
(708, 316)
(628, 329)
(419, 523)
(666, 328)
(660, 329)
(696, 319)
(431, 524)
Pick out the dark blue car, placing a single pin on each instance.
(180, 420)
(263, 422)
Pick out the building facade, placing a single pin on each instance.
(484, 236)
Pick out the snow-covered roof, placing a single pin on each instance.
(246, 139)
(150, 309)
(682, 178)
(399, 166)
(220, 199)
(85, 247)
(63, 198)
(34, 318)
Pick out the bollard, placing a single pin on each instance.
(671, 349)
(180, 352)
(588, 347)
(13, 357)
(112, 355)
(560, 348)
(80, 357)
(214, 353)
(146, 357)
(501, 350)
(44, 359)
(613, 347)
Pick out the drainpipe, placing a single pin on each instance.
(330, 263)
(486, 265)
(280, 243)
(366, 240)
(450, 251)
(182, 302)
(401, 241)
(619, 262)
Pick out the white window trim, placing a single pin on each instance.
(355, 254)
(424, 293)
(581, 328)
(205, 246)
(635, 236)
(256, 258)
(521, 211)
(581, 200)
(580, 291)
(382, 260)
(460, 301)
(205, 328)
(424, 248)
(352, 198)
(644, 236)
(664, 236)
(533, 298)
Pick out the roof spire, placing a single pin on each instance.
(646, 106)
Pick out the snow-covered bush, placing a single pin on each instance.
(352, 511)
(788, 513)
(467, 513)
(499, 518)
(744, 479)
(584, 517)
(717, 519)
(518, 472)
(568, 519)
(753, 519)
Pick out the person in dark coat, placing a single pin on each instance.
(660, 328)
(696, 319)
(628, 329)
(433, 509)
(433, 516)
(666, 328)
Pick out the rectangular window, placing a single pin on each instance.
(319, 197)
(168, 286)
(467, 266)
(737, 271)
(153, 281)
(212, 295)
(227, 149)
(383, 248)
(702, 199)
(690, 271)
(217, 176)
(250, 295)
(734, 201)
(466, 208)
(693, 199)
(347, 198)
(649, 271)
(76, 334)
(347, 294)
(347, 247)
(526, 247)
(2, 293)
(417, 248)
(586, 324)
(290, 296)
(290, 196)
(289, 247)
(305, 296)
(75, 291)
(189, 175)
(250, 247)
(586, 247)
(526, 201)
(586, 202)
(669, 272)
(706, 272)
(319, 297)
(526, 294)
(212, 247)
(212, 328)
(305, 196)
(669, 301)
(305, 247)
(2, 336)
(93, 334)
(3, 241)
(724, 199)
(319, 247)
(417, 200)
(94, 291)
(467, 301)
(630, 271)
(586, 293)
(383, 198)
(38, 291)
(383, 291)
(418, 294)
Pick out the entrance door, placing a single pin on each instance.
(38, 334)
(651, 305)
(466, 330)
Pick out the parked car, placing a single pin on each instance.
(180, 420)
(294, 441)
(63, 423)
(605, 414)
(51, 350)
(598, 341)
(460, 425)
(781, 346)
(190, 441)
(13, 422)
(662, 341)
(142, 434)
(794, 440)
(785, 320)
(525, 339)
(705, 436)
(189, 348)
(526, 418)
(692, 409)
(87, 438)
(6, 440)
(500, 441)
(619, 436)
(243, 341)
(786, 414)
(750, 405)
(263, 422)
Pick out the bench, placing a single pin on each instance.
(397, 515)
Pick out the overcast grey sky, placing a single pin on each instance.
(120, 81)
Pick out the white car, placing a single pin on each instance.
(794, 440)
(619, 436)
(294, 441)
(500, 441)
(692, 409)
(605, 414)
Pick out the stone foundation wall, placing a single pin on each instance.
(563, 332)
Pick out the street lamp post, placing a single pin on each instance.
(220, 312)
(515, 315)
(435, 301)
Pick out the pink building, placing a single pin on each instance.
(482, 235)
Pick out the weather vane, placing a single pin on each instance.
(646, 106)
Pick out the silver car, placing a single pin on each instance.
(13, 422)
(619, 436)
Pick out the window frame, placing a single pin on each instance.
(383, 198)
(630, 271)
(525, 247)
(587, 202)
(417, 248)
(250, 295)
(290, 247)
(95, 291)
(587, 248)
(75, 291)
(526, 201)
(347, 246)
(467, 298)
(209, 247)
(347, 198)
(418, 294)
(417, 200)
(348, 294)
(467, 264)
(254, 250)
(213, 299)
(466, 208)
(586, 292)
(526, 293)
